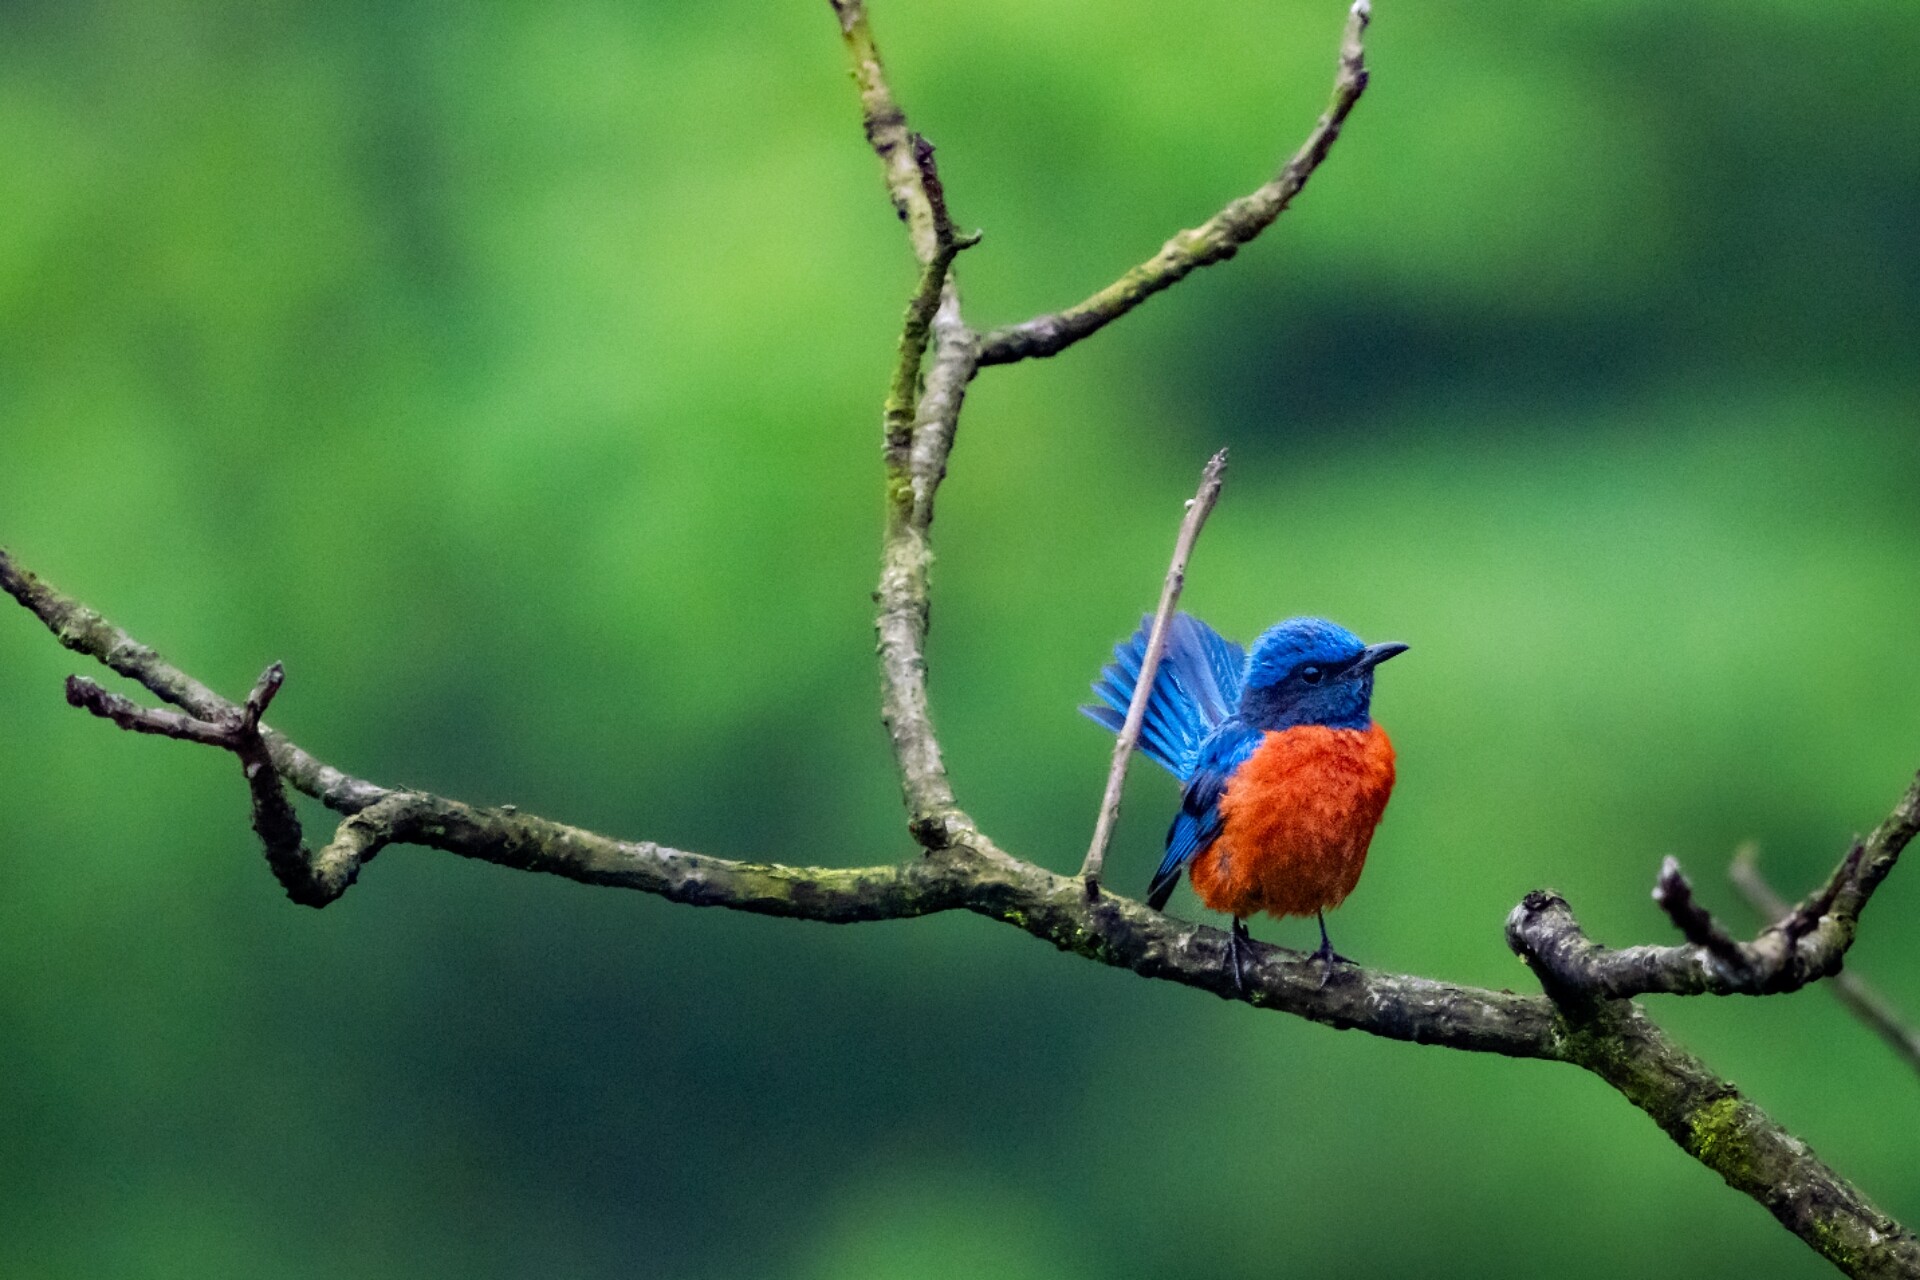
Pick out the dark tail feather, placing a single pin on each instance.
(1196, 687)
(1163, 886)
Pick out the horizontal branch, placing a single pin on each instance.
(965, 871)
(1215, 240)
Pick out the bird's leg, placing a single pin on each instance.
(1326, 955)
(1237, 940)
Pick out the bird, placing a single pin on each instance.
(1285, 772)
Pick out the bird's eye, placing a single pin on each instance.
(1311, 675)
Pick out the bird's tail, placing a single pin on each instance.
(1196, 687)
(1165, 881)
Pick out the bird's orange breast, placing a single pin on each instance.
(1296, 820)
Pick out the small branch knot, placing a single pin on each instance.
(930, 831)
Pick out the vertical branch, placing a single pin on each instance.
(1198, 508)
(918, 430)
(886, 126)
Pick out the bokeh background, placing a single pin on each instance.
(513, 373)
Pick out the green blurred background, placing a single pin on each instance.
(513, 373)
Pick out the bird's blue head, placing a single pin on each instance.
(1311, 671)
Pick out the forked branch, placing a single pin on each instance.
(1800, 946)
(1859, 999)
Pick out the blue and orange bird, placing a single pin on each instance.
(1286, 772)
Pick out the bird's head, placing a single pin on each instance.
(1311, 671)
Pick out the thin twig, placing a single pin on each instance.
(1216, 240)
(1849, 989)
(1198, 508)
(1673, 893)
(83, 630)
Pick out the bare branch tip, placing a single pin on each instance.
(1671, 881)
(850, 13)
(262, 696)
(81, 692)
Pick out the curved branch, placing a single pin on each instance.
(1215, 240)
(968, 873)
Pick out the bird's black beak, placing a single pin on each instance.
(1375, 654)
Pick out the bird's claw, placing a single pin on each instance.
(1237, 940)
(1328, 958)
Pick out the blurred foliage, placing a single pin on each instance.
(513, 373)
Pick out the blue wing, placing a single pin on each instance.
(1197, 824)
(1195, 689)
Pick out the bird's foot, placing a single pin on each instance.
(1328, 958)
(1238, 940)
(1326, 955)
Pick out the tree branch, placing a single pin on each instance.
(1580, 1020)
(887, 131)
(1716, 1125)
(1199, 506)
(82, 630)
(1703, 1113)
(1802, 946)
(1860, 999)
(975, 875)
(1215, 240)
(917, 429)
(307, 881)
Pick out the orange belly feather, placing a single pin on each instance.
(1297, 818)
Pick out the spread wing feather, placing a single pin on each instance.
(1196, 688)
